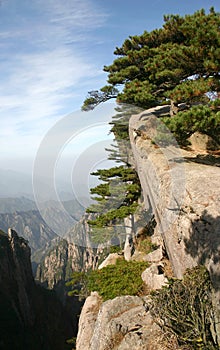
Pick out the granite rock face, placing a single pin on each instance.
(30, 317)
(200, 142)
(153, 277)
(30, 225)
(123, 323)
(182, 189)
(16, 274)
(73, 253)
(128, 248)
(87, 321)
(110, 260)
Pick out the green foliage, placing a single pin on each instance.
(179, 62)
(124, 278)
(96, 97)
(163, 136)
(184, 308)
(78, 285)
(146, 245)
(120, 122)
(72, 342)
(100, 234)
(115, 249)
(205, 119)
(117, 197)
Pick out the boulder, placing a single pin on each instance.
(87, 321)
(123, 323)
(202, 142)
(128, 248)
(110, 260)
(153, 277)
(156, 255)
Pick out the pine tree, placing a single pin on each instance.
(117, 196)
(179, 62)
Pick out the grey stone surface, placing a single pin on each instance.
(123, 323)
(128, 248)
(184, 194)
(202, 142)
(156, 255)
(153, 276)
(87, 321)
(110, 260)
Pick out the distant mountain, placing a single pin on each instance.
(35, 226)
(10, 205)
(74, 252)
(31, 317)
(30, 225)
(61, 216)
(72, 206)
(15, 184)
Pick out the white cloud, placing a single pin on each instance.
(44, 66)
(45, 77)
(76, 13)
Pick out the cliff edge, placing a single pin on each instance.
(182, 189)
(31, 317)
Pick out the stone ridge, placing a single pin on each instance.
(30, 225)
(123, 323)
(16, 273)
(30, 316)
(184, 193)
(67, 256)
(182, 190)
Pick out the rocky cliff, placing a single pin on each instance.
(123, 323)
(75, 253)
(30, 225)
(30, 317)
(181, 188)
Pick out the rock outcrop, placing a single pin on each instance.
(87, 321)
(67, 256)
(16, 274)
(154, 277)
(30, 225)
(128, 247)
(110, 260)
(30, 317)
(123, 323)
(182, 189)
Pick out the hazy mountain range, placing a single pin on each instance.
(22, 215)
(16, 184)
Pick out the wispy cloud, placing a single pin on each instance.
(44, 65)
(40, 82)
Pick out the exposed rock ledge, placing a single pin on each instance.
(184, 194)
(123, 323)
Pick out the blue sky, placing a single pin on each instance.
(53, 52)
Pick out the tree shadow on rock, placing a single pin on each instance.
(204, 245)
(207, 159)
